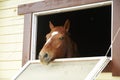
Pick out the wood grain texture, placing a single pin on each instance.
(52, 4)
(11, 39)
(12, 65)
(7, 4)
(10, 47)
(116, 44)
(12, 12)
(12, 22)
(10, 56)
(27, 38)
(7, 74)
(11, 30)
(107, 76)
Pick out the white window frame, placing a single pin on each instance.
(87, 6)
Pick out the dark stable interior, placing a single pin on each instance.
(89, 28)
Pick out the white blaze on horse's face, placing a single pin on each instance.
(53, 34)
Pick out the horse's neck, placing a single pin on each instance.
(71, 49)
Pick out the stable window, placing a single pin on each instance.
(90, 28)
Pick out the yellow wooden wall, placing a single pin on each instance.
(11, 37)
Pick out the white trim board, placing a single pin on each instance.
(81, 7)
(64, 69)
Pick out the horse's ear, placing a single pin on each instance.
(51, 25)
(67, 25)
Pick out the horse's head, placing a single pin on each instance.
(56, 43)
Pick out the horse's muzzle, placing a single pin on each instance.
(45, 58)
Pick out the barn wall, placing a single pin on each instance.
(11, 37)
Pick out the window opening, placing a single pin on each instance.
(90, 29)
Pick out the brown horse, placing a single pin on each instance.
(58, 44)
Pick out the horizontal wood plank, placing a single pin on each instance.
(16, 29)
(107, 76)
(3, 0)
(14, 38)
(11, 22)
(5, 78)
(7, 4)
(7, 74)
(9, 56)
(7, 65)
(11, 47)
(53, 4)
(12, 18)
(8, 13)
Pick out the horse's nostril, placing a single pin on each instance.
(45, 55)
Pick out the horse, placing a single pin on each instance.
(58, 44)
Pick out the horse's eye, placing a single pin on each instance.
(61, 38)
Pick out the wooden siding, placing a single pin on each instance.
(107, 76)
(11, 37)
